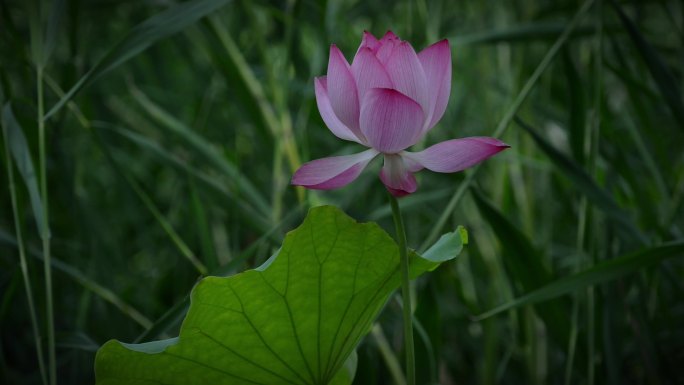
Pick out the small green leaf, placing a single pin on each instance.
(447, 245)
(463, 233)
(152, 347)
(295, 320)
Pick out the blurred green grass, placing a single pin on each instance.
(177, 161)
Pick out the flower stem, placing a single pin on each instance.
(405, 291)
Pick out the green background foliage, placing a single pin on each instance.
(174, 128)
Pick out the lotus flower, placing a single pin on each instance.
(387, 100)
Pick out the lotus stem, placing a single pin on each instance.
(405, 291)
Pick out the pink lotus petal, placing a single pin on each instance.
(342, 90)
(396, 177)
(333, 172)
(369, 41)
(456, 154)
(407, 74)
(389, 36)
(331, 120)
(390, 120)
(410, 164)
(386, 47)
(436, 61)
(369, 72)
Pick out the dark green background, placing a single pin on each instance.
(186, 150)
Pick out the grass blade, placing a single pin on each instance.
(97, 289)
(15, 143)
(577, 115)
(51, 32)
(45, 228)
(521, 33)
(279, 125)
(102, 292)
(172, 317)
(252, 85)
(177, 240)
(388, 355)
(586, 184)
(601, 272)
(507, 118)
(164, 24)
(662, 76)
(259, 221)
(525, 264)
(203, 231)
(204, 148)
(78, 341)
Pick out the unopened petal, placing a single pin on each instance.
(331, 120)
(369, 41)
(369, 72)
(394, 174)
(389, 36)
(407, 74)
(386, 46)
(390, 120)
(342, 90)
(333, 172)
(456, 154)
(436, 62)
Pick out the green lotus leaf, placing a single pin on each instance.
(295, 320)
